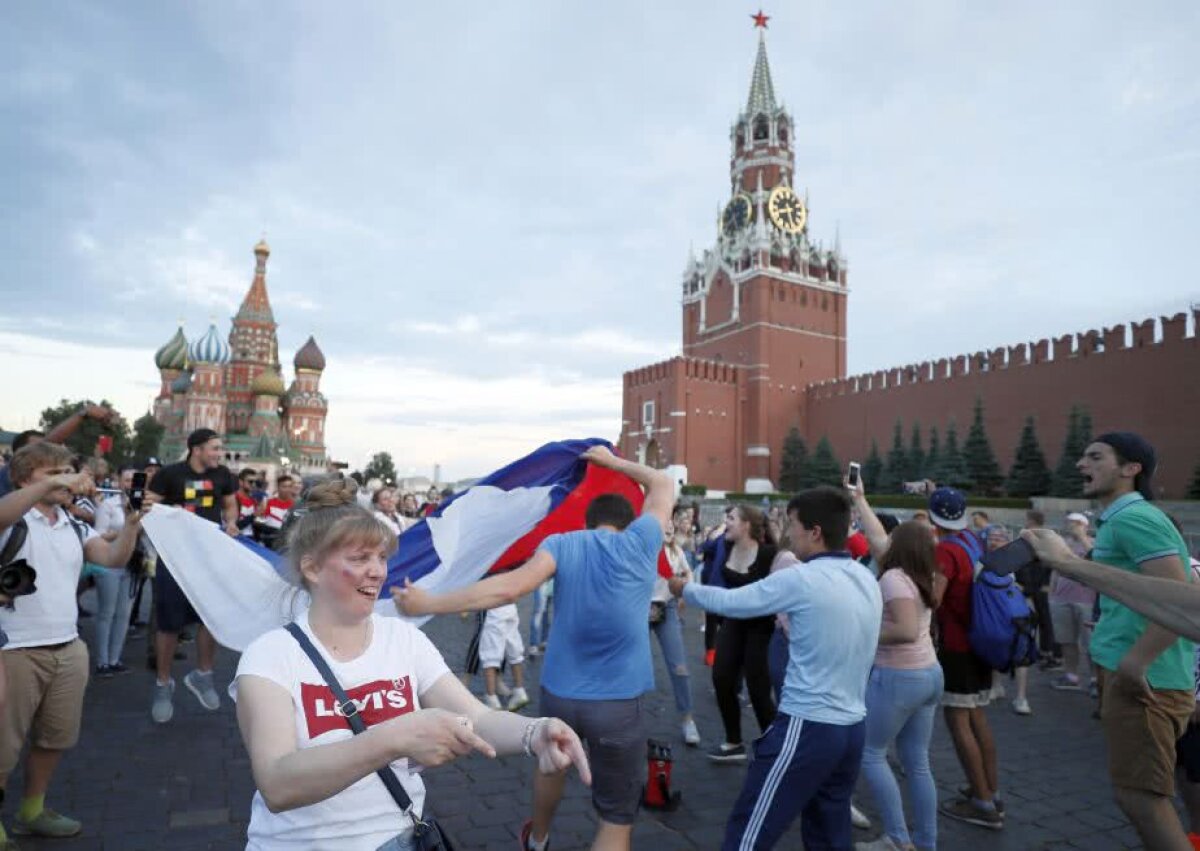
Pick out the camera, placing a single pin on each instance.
(17, 579)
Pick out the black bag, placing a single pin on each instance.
(427, 833)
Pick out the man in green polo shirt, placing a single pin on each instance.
(1146, 671)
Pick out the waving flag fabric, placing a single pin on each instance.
(237, 588)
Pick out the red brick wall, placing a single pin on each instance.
(1138, 382)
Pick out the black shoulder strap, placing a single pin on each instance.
(349, 711)
(17, 533)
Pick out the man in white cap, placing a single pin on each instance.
(1071, 609)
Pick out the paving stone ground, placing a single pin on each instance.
(187, 785)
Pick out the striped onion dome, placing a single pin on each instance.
(268, 383)
(173, 354)
(210, 348)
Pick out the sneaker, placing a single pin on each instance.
(49, 824)
(118, 668)
(1051, 663)
(502, 687)
(200, 683)
(518, 701)
(883, 843)
(964, 810)
(103, 672)
(726, 752)
(691, 736)
(492, 701)
(1021, 706)
(526, 831)
(1066, 682)
(163, 709)
(532, 651)
(859, 819)
(964, 792)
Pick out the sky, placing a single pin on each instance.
(483, 211)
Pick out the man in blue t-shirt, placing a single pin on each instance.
(598, 662)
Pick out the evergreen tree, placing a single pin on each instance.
(953, 467)
(977, 452)
(147, 437)
(793, 461)
(933, 458)
(1029, 475)
(824, 466)
(382, 468)
(1067, 482)
(1085, 427)
(1193, 491)
(916, 455)
(896, 468)
(872, 469)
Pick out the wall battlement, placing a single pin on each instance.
(1165, 332)
(694, 368)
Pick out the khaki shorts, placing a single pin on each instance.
(1141, 732)
(45, 698)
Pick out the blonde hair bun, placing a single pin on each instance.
(332, 494)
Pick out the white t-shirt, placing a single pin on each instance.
(679, 567)
(389, 678)
(52, 548)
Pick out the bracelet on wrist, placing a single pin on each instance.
(527, 736)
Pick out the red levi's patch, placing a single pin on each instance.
(376, 702)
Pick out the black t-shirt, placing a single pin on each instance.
(200, 493)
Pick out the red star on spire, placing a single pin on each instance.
(760, 20)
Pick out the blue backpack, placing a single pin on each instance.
(1002, 625)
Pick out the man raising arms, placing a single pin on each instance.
(598, 662)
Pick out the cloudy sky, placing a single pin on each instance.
(482, 210)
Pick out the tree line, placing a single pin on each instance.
(972, 467)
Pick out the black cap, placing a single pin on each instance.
(200, 437)
(1132, 448)
(152, 462)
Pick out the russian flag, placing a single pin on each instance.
(237, 589)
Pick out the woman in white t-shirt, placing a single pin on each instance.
(384, 503)
(316, 780)
(904, 691)
(667, 626)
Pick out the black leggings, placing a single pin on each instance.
(742, 652)
(712, 625)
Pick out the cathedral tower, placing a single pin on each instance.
(252, 344)
(306, 405)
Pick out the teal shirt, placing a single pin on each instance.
(1132, 532)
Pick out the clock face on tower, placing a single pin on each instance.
(738, 213)
(786, 210)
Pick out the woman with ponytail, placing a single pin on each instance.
(741, 651)
(317, 781)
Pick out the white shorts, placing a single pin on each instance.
(500, 639)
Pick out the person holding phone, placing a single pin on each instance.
(113, 583)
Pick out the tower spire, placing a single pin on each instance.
(256, 305)
(762, 90)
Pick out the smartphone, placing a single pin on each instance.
(1009, 558)
(852, 473)
(137, 491)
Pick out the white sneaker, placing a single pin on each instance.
(502, 688)
(859, 820)
(491, 701)
(518, 701)
(1021, 706)
(691, 736)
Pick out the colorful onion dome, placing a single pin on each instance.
(183, 383)
(173, 354)
(267, 383)
(310, 357)
(261, 247)
(210, 348)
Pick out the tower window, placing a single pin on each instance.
(783, 134)
(762, 128)
(648, 413)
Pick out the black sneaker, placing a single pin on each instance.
(103, 672)
(726, 752)
(966, 811)
(118, 668)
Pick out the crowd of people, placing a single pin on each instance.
(845, 630)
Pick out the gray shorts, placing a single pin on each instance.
(614, 732)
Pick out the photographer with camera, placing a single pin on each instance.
(46, 665)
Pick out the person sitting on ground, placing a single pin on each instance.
(316, 781)
(46, 664)
(807, 761)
